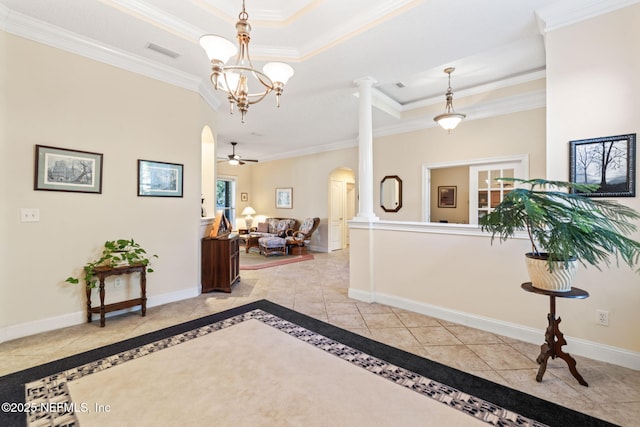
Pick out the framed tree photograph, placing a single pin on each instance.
(244, 197)
(609, 162)
(447, 196)
(284, 198)
(159, 179)
(61, 169)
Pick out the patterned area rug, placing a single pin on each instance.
(44, 395)
(255, 261)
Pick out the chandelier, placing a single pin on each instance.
(449, 119)
(234, 79)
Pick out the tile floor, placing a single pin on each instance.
(319, 288)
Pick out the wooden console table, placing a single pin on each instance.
(554, 340)
(104, 272)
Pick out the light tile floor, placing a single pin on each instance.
(319, 288)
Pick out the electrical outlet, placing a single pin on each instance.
(602, 317)
(119, 282)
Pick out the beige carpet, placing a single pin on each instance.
(251, 374)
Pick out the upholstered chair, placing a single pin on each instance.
(297, 241)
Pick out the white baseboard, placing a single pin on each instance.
(44, 325)
(576, 346)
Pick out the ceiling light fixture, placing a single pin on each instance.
(233, 79)
(449, 119)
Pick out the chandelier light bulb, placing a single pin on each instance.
(218, 48)
(278, 72)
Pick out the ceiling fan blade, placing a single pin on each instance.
(250, 160)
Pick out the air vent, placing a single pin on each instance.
(400, 85)
(163, 50)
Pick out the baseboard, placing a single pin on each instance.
(71, 319)
(576, 346)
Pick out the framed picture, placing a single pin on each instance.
(284, 198)
(244, 197)
(61, 169)
(447, 196)
(159, 179)
(609, 162)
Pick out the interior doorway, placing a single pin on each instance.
(342, 207)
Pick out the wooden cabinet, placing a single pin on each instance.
(220, 263)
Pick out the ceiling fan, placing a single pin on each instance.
(235, 159)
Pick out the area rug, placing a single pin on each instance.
(255, 261)
(263, 364)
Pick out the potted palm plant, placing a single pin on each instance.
(115, 253)
(563, 227)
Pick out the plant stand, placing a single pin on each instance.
(554, 339)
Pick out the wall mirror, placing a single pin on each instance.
(391, 193)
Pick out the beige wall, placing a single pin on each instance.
(597, 93)
(64, 100)
(459, 178)
(452, 271)
(308, 176)
(405, 154)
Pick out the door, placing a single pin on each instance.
(336, 219)
(485, 193)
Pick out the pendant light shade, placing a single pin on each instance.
(449, 119)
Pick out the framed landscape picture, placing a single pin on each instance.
(159, 179)
(447, 196)
(609, 162)
(62, 169)
(284, 198)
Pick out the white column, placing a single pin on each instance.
(365, 151)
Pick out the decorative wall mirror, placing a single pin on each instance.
(391, 193)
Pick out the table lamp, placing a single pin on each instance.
(248, 219)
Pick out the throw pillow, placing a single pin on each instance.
(263, 227)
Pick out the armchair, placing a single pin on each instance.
(297, 241)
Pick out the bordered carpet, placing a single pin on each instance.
(58, 389)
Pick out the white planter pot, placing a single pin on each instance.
(560, 280)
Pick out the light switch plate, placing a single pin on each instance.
(30, 214)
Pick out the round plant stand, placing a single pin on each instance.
(554, 340)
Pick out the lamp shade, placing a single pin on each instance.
(248, 211)
(218, 48)
(278, 71)
(449, 121)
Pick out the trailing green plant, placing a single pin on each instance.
(114, 253)
(565, 225)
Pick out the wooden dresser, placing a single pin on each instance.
(220, 263)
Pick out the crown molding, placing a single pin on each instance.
(157, 17)
(498, 107)
(333, 146)
(363, 21)
(483, 88)
(564, 13)
(41, 32)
